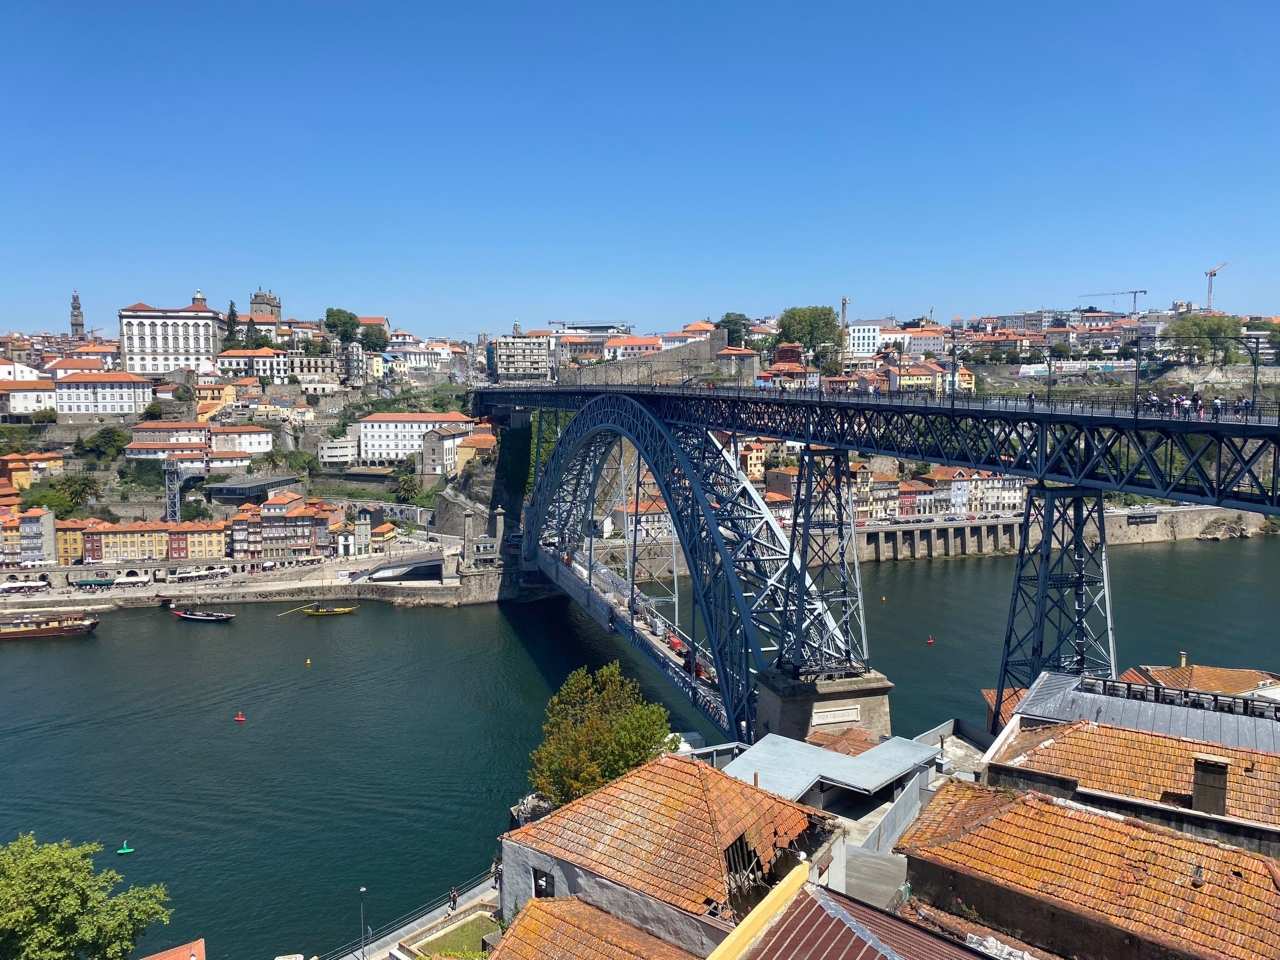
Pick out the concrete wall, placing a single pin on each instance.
(697, 935)
(666, 366)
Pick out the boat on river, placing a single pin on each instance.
(34, 626)
(204, 616)
(318, 611)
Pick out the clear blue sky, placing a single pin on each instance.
(460, 166)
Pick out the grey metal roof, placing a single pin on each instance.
(790, 767)
(1058, 697)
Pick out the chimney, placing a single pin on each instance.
(1182, 658)
(1209, 784)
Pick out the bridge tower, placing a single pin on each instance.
(1060, 611)
(822, 678)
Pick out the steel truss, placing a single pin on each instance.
(1227, 463)
(823, 542)
(175, 475)
(739, 559)
(1060, 611)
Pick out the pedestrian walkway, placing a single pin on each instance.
(481, 891)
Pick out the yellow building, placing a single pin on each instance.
(24, 469)
(68, 539)
(375, 366)
(480, 445)
(123, 542)
(198, 540)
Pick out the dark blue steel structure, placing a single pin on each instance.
(745, 571)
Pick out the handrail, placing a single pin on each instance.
(418, 913)
(1111, 406)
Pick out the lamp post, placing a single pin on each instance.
(362, 927)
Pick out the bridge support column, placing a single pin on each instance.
(1060, 611)
(795, 708)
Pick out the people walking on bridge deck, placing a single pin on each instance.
(1217, 408)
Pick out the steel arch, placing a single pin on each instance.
(739, 559)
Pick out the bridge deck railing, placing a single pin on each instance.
(1110, 406)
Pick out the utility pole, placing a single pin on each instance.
(1211, 274)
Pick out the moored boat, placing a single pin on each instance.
(318, 611)
(203, 616)
(34, 626)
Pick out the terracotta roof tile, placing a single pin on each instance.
(184, 952)
(1234, 681)
(1148, 766)
(1012, 697)
(425, 416)
(567, 929)
(1209, 899)
(663, 829)
(850, 742)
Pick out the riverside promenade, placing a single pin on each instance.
(384, 944)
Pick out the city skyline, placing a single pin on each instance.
(460, 171)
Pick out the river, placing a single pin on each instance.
(391, 759)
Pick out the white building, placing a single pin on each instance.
(339, 453)
(118, 393)
(387, 438)
(522, 358)
(263, 362)
(12, 370)
(863, 339)
(625, 348)
(26, 396)
(244, 437)
(160, 339)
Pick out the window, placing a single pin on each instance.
(544, 884)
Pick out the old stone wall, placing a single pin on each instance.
(667, 366)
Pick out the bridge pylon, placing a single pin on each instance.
(1060, 610)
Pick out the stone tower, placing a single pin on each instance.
(77, 316)
(265, 304)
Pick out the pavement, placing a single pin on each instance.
(380, 949)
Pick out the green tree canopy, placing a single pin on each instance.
(373, 339)
(341, 323)
(597, 727)
(55, 906)
(105, 444)
(1208, 333)
(810, 326)
(233, 323)
(195, 510)
(736, 324)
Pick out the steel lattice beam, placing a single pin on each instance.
(739, 559)
(1060, 610)
(1228, 463)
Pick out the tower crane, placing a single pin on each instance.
(1119, 293)
(1211, 274)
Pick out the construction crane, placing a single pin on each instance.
(1119, 293)
(1211, 274)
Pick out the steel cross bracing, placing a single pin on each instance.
(822, 540)
(1060, 611)
(739, 559)
(175, 475)
(1101, 446)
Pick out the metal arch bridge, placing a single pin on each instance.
(761, 608)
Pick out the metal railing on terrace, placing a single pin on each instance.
(1108, 405)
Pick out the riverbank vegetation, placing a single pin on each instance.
(55, 906)
(597, 727)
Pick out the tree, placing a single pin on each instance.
(233, 325)
(47, 415)
(184, 393)
(597, 727)
(79, 488)
(195, 510)
(154, 411)
(810, 326)
(55, 906)
(299, 461)
(1207, 336)
(341, 323)
(736, 325)
(1095, 353)
(1059, 351)
(374, 339)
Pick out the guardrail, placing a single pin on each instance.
(899, 816)
(348, 949)
(1111, 406)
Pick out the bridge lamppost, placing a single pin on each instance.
(362, 928)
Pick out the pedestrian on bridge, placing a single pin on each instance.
(453, 899)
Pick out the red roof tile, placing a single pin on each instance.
(568, 929)
(663, 830)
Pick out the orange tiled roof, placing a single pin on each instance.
(663, 829)
(118, 377)
(851, 742)
(184, 952)
(565, 928)
(423, 417)
(1194, 676)
(1012, 697)
(1122, 872)
(1148, 766)
(169, 425)
(479, 441)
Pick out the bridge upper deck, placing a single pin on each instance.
(1106, 444)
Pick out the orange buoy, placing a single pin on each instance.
(929, 642)
(240, 717)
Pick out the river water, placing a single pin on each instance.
(391, 759)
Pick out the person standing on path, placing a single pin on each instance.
(453, 899)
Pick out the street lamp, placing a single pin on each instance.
(362, 928)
